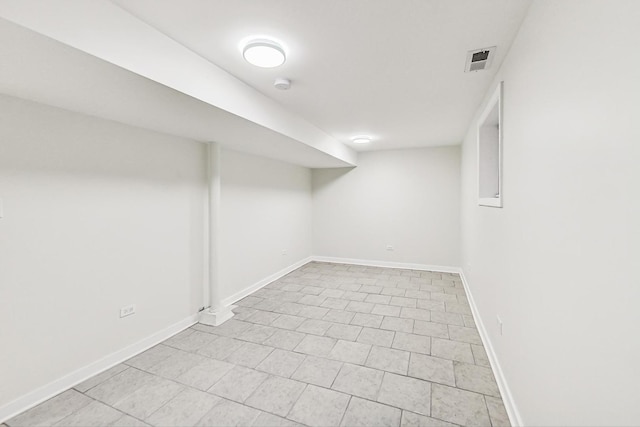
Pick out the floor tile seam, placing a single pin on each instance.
(116, 409)
(96, 385)
(344, 414)
(91, 400)
(232, 400)
(142, 384)
(296, 401)
(173, 398)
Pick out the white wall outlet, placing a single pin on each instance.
(499, 322)
(284, 252)
(390, 247)
(127, 310)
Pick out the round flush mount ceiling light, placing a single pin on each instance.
(264, 53)
(362, 139)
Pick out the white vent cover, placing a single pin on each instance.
(479, 59)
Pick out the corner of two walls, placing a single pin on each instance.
(397, 208)
(265, 221)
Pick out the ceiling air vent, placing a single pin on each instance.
(479, 59)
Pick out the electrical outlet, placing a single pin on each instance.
(127, 310)
(284, 252)
(499, 322)
(390, 247)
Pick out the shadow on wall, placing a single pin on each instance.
(327, 176)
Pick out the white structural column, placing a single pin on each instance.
(215, 314)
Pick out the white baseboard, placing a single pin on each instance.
(264, 282)
(505, 391)
(47, 391)
(388, 264)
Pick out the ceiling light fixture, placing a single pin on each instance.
(264, 53)
(361, 139)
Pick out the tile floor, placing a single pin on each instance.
(326, 345)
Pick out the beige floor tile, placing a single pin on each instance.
(412, 342)
(412, 293)
(191, 340)
(312, 312)
(431, 329)
(355, 296)
(128, 421)
(231, 328)
(238, 384)
(205, 374)
(276, 395)
(464, 334)
(358, 381)
(281, 362)
(389, 360)
(52, 410)
(315, 346)
(397, 324)
(386, 310)
(368, 320)
(359, 307)
(286, 340)
(149, 398)
(416, 314)
(186, 409)
(318, 371)
(249, 355)
(119, 386)
(406, 393)
(403, 302)
(263, 317)
(228, 413)
(100, 378)
(319, 407)
(394, 292)
(458, 406)
(350, 352)
(266, 419)
(257, 334)
(431, 369)
(335, 303)
(176, 365)
(447, 318)
(376, 336)
(480, 355)
(339, 316)
(497, 412)
(314, 326)
(221, 348)
(151, 357)
(475, 378)
(409, 419)
(343, 332)
(431, 305)
(364, 413)
(452, 350)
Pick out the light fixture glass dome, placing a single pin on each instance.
(362, 139)
(264, 53)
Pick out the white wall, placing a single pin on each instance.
(265, 208)
(409, 199)
(97, 215)
(559, 263)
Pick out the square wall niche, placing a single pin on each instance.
(490, 152)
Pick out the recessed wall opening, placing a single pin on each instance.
(490, 152)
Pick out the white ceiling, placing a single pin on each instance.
(389, 68)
